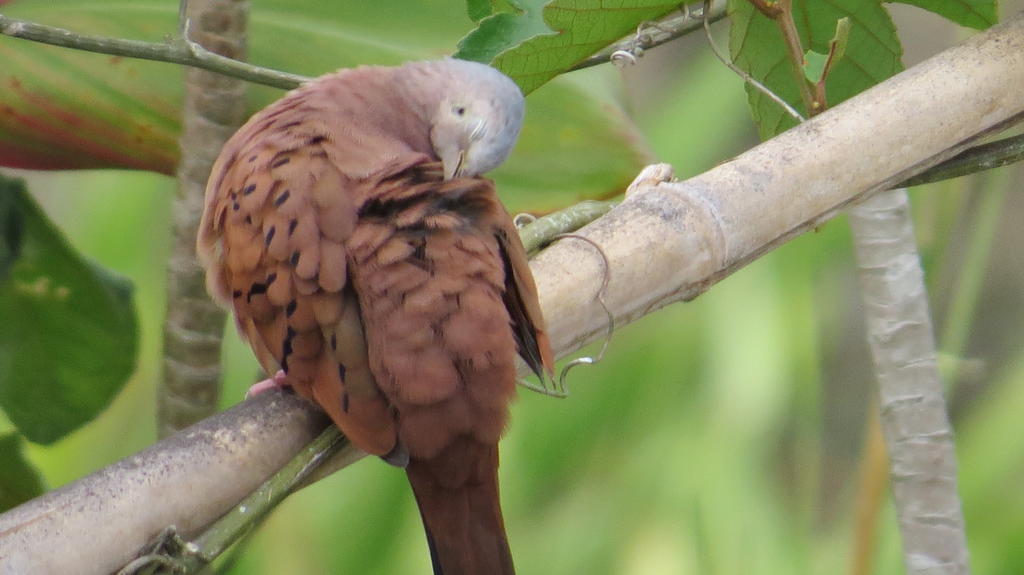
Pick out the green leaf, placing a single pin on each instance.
(62, 109)
(837, 45)
(872, 53)
(546, 38)
(19, 480)
(478, 9)
(817, 65)
(499, 31)
(68, 341)
(814, 65)
(977, 14)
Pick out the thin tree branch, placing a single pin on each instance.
(918, 435)
(768, 8)
(177, 51)
(653, 34)
(782, 15)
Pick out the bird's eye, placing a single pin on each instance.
(459, 111)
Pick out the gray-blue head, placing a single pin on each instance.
(475, 120)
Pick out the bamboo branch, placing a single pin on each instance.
(102, 520)
(177, 51)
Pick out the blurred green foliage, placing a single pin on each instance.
(19, 481)
(720, 436)
(68, 339)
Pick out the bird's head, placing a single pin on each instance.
(477, 121)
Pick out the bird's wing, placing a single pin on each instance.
(522, 301)
(273, 238)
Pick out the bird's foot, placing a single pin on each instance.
(279, 381)
(650, 177)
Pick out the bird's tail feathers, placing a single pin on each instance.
(457, 493)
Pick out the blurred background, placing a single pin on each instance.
(720, 436)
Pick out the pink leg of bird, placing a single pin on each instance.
(279, 381)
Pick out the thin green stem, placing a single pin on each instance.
(542, 231)
(236, 522)
(972, 160)
(790, 35)
(174, 555)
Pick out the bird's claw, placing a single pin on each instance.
(651, 176)
(279, 381)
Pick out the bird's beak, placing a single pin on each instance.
(478, 130)
(454, 169)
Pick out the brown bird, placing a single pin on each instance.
(347, 226)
